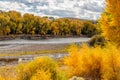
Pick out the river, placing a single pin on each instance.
(20, 45)
(45, 41)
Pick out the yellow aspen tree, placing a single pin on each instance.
(110, 21)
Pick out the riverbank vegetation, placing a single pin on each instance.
(99, 63)
(94, 63)
(64, 50)
(13, 22)
(110, 21)
(40, 69)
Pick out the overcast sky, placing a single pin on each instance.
(85, 9)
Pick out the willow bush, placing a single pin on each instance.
(94, 63)
(39, 69)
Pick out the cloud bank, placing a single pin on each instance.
(85, 9)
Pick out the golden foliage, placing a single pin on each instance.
(1, 78)
(90, 29)
(94, 63)
(41, 75)
(39, 69)
(110, 21)
(13, 22)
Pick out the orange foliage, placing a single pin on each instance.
(110, 21)
(94, 63)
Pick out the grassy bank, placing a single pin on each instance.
(35, 52)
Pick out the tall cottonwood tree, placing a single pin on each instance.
(110, 21)
(15, 22)
(4, 27)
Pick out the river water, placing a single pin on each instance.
(45, 41)
(17, 44)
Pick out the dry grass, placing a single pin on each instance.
(35, 52)
(8, 72)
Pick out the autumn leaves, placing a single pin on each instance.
(13, 22)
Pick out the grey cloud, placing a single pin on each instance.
(89, 9)
(93, 7)
(62, 13)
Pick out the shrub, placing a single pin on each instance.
(97, 40)
(44, 68)
(94, 63)
(41, 75)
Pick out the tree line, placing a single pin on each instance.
(13, 22)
